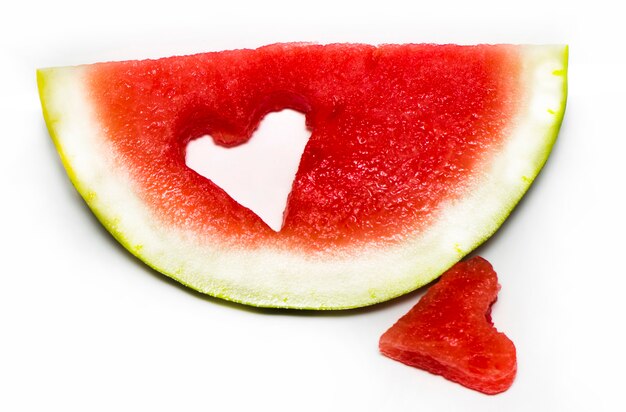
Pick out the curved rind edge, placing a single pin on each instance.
(44, 76)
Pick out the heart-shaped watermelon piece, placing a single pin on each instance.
(450, 333)
(418, 153)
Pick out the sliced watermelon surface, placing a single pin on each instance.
(417, 155)
(450, 333)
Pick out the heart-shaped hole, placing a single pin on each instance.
(258, 174)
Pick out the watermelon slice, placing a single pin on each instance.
(449, 332)
(418, 153)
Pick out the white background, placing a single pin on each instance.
(86, 327)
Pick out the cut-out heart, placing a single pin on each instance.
(258, 174)
(449, 332)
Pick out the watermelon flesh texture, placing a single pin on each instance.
(449, 332)
(383, 121)
(417, 154)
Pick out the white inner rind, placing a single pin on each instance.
(277, 278)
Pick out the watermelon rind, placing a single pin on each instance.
(267, 276)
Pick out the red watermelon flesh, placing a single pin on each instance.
(450, 333)
(384, 121)
(417, 154)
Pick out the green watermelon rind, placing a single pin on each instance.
(286, 279)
